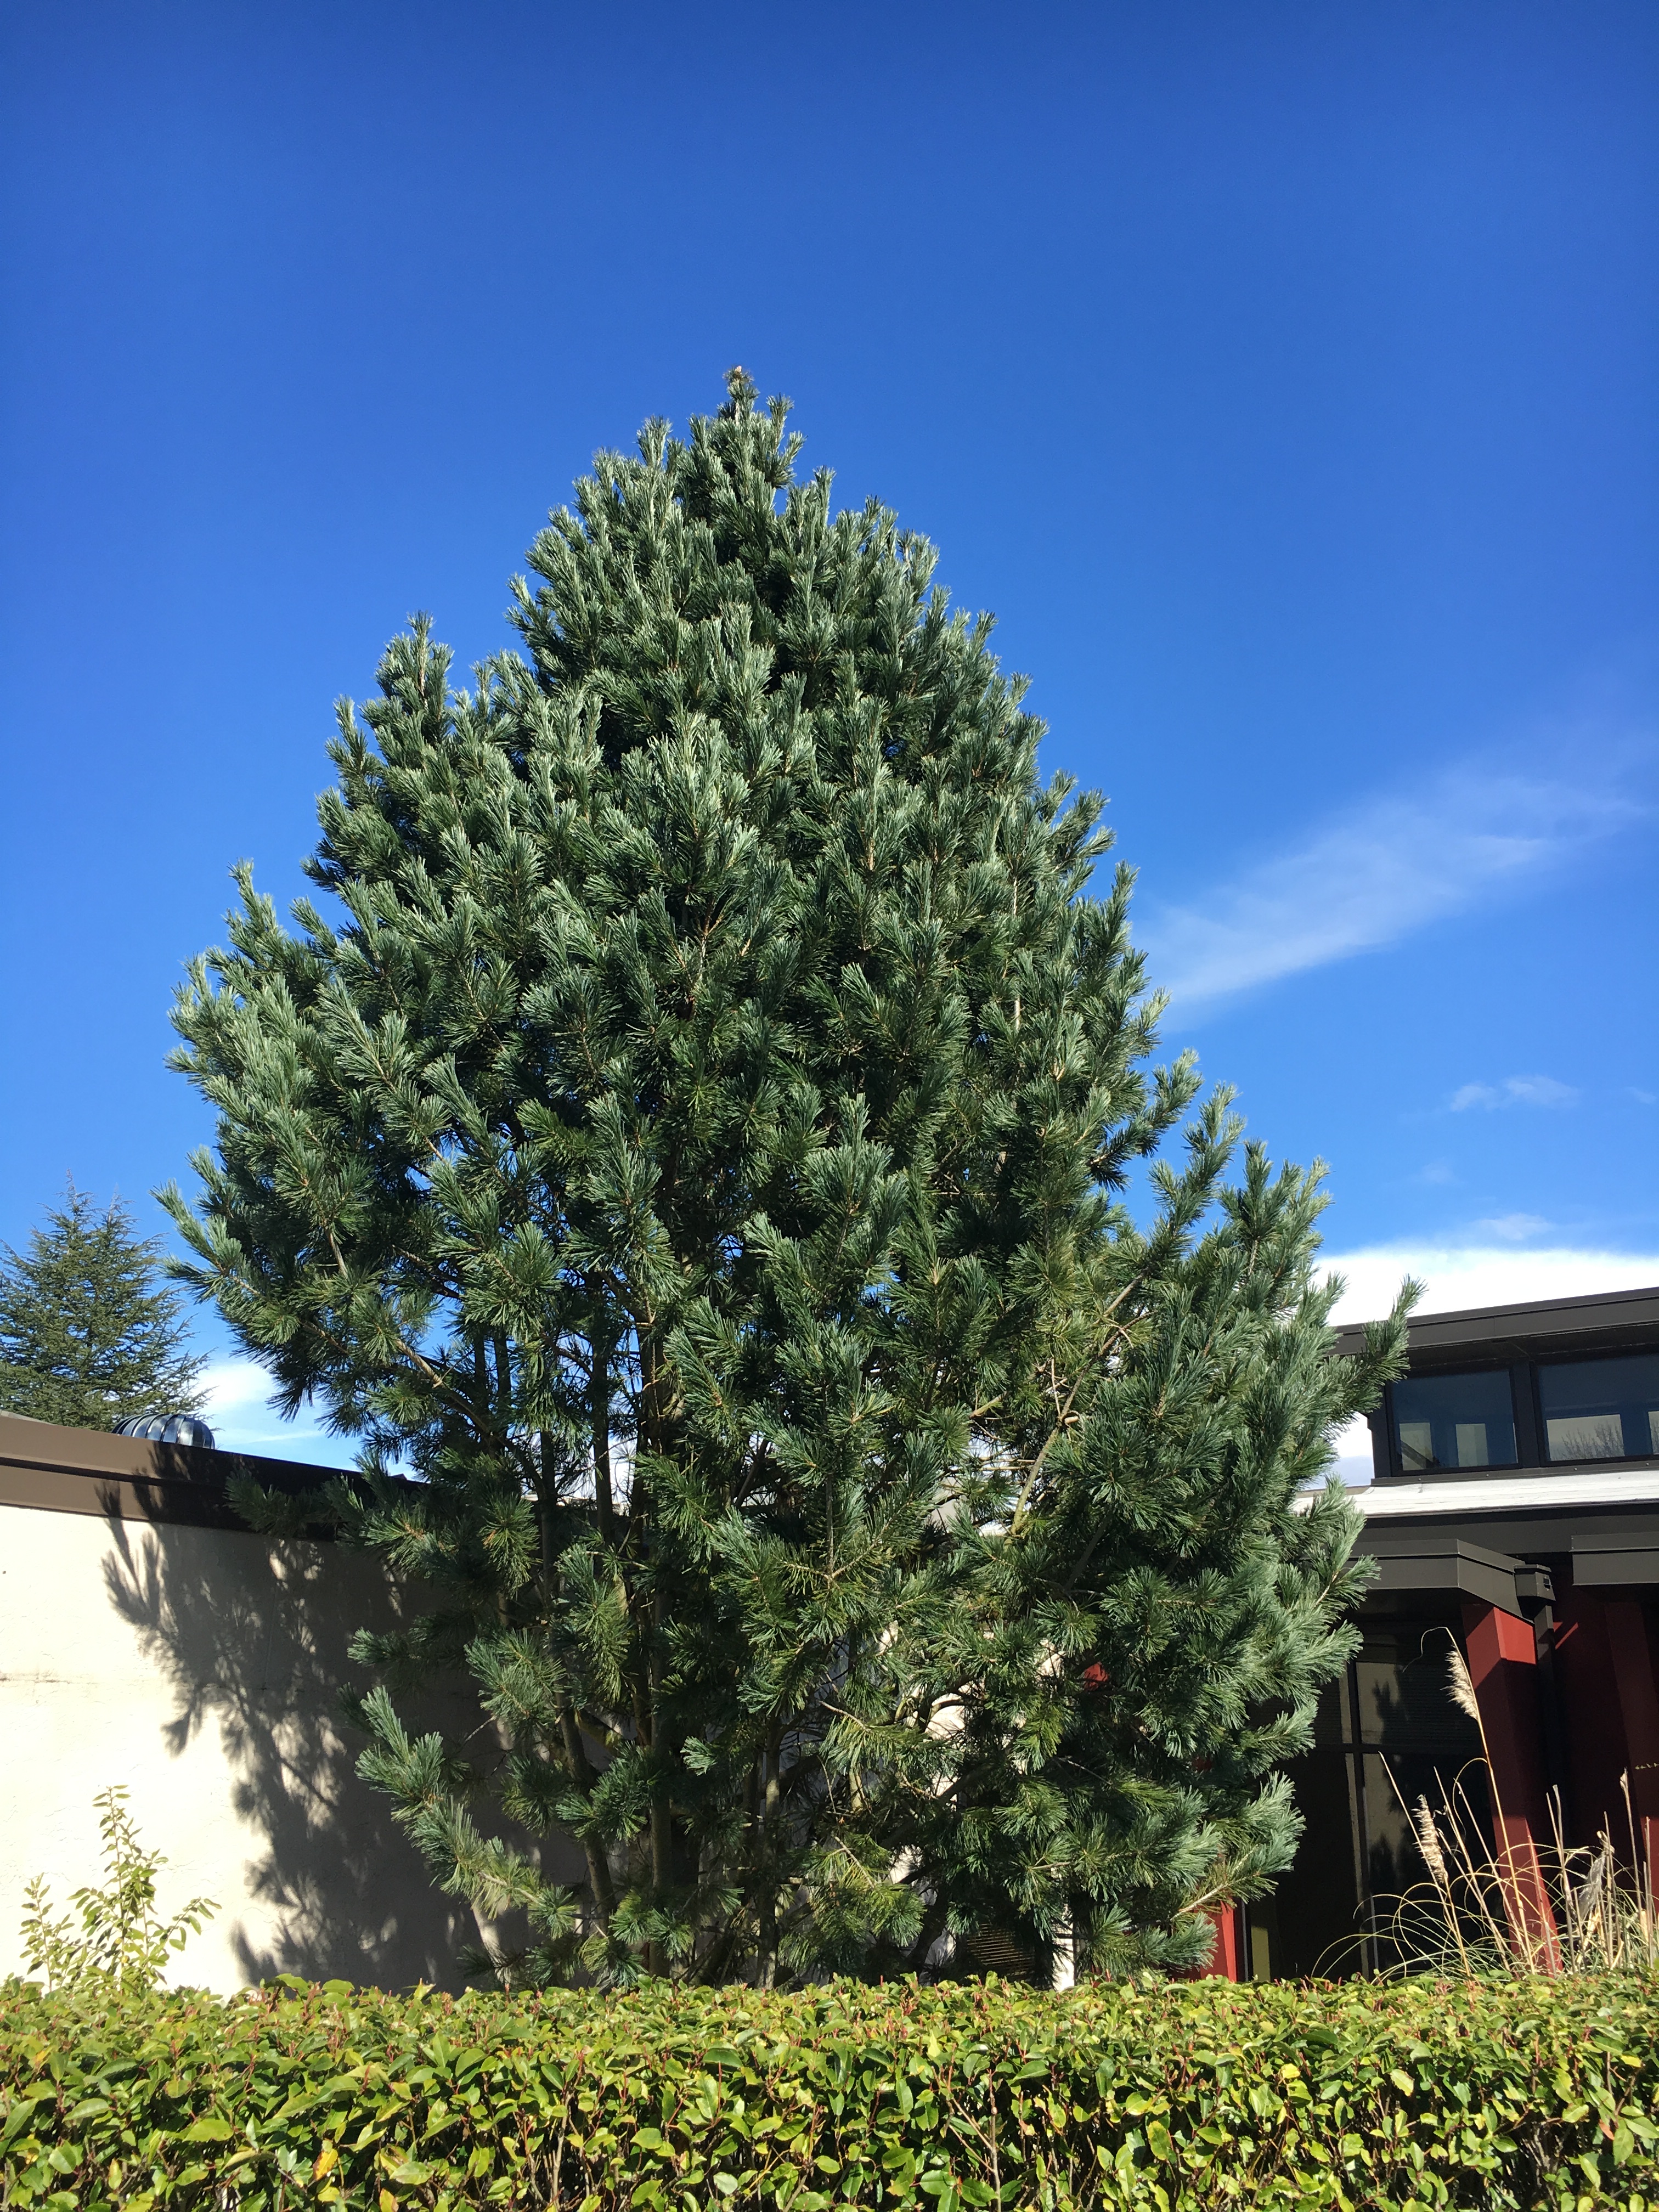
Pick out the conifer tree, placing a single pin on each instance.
(90, 1335)
(694, 1148)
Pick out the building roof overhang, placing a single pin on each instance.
(1601, 1321)
(1435, 1560)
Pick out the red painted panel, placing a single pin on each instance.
(1638, 1703)
(1597, 1756)
(1504, 1667)
(1225, 1958)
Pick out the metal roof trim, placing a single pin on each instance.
(1405, 1499)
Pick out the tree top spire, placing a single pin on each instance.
(742, 391)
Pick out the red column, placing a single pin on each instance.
(1638, 1703)
(1226, 1953)
(1226, 1957)
(1504, 1667)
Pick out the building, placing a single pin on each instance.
(1514, 1513)
(149, 1639)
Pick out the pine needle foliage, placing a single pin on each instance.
(696, 1151)
(91, 1334)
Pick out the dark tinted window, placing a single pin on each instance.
(1600, 1408)
(1454, 1420)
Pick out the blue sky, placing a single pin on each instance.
(1283, 376)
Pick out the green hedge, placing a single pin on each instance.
(1419, 2094)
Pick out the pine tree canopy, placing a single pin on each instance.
(90, 1335)
(693, 1147)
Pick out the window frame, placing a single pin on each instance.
(1526, 1401)
(1580, 1359)
(1522, 1425)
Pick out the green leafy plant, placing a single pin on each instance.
(111, 1938)
(1522, 2096)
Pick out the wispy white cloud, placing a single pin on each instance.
(1514, 1091)
(1375, 873)
(236, 1387)
(1512, 1228)
(240, 1414)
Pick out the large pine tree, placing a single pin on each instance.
(90, 1332)
(695, 1150)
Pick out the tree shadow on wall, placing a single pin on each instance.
(251, 1637)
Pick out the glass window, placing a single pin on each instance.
(1601, 1408)
(1454, 1420)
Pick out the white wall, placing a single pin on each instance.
(200, 1666)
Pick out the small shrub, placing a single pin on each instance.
(121, 1943)
(1407, 2096)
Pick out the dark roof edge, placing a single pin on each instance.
(1542, 1305)
(1349, 1335)
(61, 1470)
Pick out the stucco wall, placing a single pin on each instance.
(200, 1666)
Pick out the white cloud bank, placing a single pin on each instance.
(1387, 867)
(1456, 1276)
